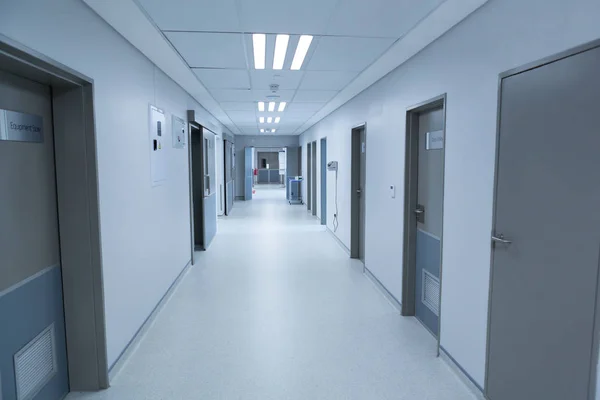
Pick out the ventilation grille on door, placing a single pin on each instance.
(431, 292)
(35, 364)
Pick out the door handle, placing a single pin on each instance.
(419, 211)
(358, 192)
(500, 239)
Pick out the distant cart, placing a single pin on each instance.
(294, 190)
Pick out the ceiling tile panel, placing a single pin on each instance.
(326, 80)
(303, 108)
(223, 78)
(186, 15)
(261, 79)
(242, 117)
(264, 95)
(286, 16)
(394, 17)
(340, 53)
(314, 95)
(210, 50)
(232, 95)
(238, 106)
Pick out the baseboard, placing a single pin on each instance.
(386, 293)
(342, 245)
(116, 367)
(462, 374)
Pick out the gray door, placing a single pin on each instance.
(308, 176)
(323, 181)
(248, 173)
(362, 194)
(313, 179)
(31, 303)
(543, 293)
(197, 178)
(430, 183)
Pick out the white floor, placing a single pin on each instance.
(275, 309)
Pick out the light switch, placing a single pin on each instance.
(392, 191)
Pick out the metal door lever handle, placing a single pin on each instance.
(419, 211)
(500, 239)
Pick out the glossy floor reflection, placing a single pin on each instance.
(275, 309)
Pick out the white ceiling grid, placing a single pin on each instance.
(214, 37)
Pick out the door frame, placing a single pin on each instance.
(323, 162)
(194, 125)
(354, 185)
(77, 208)
(411, 171)
(596, 334)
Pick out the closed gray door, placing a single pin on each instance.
(323, 181)
(31, 303)
(430, 182)
(308, 176)
(313, 179)
(361, 194)
(543, 293)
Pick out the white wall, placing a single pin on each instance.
(145, 230)
(465, 64)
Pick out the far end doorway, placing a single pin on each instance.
(423, 215)
(357, 207)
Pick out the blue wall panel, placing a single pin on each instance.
(24, 313)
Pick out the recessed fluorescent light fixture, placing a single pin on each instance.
(277, 119)
(259, 43)
(261, 106)
(262, 120)
(282, 106)
(271, 106)
(281, 45)
(272, 130)
(262, 131)
(301, 50)
(269, 120)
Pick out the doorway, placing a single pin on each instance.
(543, 327)
(51, 269)
(197, 182)
(423, 216)
(309, 185)
(323, 181)
(313, 178)
(358, 192)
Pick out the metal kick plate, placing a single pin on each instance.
(20, 127)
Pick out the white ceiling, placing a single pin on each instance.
(356, 42)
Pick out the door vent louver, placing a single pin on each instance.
(35, 364)
(431, 292)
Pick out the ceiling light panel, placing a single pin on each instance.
(301, 51)
(269, 120)
(262, 130)
(271, 106)
(261, 106)
(281, 45)
(282, 106)
(277, 119)
(259, 46)
(273, 130)
(261, 120)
